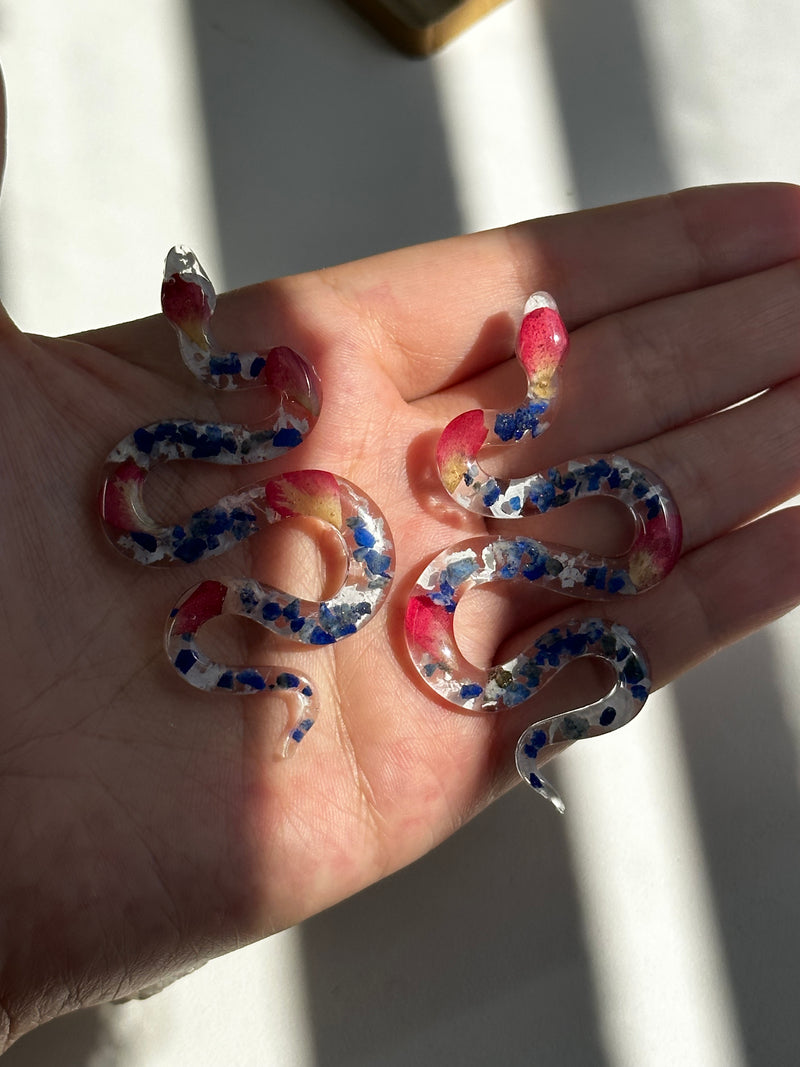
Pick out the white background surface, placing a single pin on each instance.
(659, 923)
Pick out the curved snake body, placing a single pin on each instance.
(188, 301)
(430, 615)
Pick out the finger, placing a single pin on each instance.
(253, 319)
(658, 365)
(436, 314)
(733, 466)
(452, 307)
(720, 593)
(716, 595)
(722, 471)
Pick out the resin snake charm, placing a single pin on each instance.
(541, 347)
(188, 301)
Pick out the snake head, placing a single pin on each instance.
(187, 295)
(542, 343)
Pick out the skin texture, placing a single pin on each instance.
(144, 826)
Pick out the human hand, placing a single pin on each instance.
(144, 826)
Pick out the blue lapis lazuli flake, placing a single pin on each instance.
(186, 434)
(227, 364)
(535, 570)
(190, 550)
(287, 437)
(536, 742)
(307, 691)
(633, 671)
(271, 611)
(225, 680)
(252, 678)
(514, 694)
(639, 692)
(376, 562)
(256, 367)
(535, 780)
(144, 540)
(607, 716)
(292, 609)
(242, 523)
(297, 735)
(208, 444)
(296, 625)
(144, 440)
(209, 521)
(363, 536)
(459, 570)
(543, 496)
(444, 596)
(596, 577)
(492, 495)
(248, 598)
(616, 582)
(576, 644)
(185, 660)
(513, 425)
(165, 431)
(504, 425)
(342, 614)
(285, 680)
(513, 553)
(318, 636)
(470, 691)
(550, 656)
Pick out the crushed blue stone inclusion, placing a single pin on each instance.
(251, 678)
(376, 563)
(227, 364)
(210, 529)
(236, 517)
(287, 437)
(144, 540)
(185, 660)
(363, 536)
(492, 494)
(444, 595)
(301, 730)
(535, 744)
(513, 425)
(468, 692)
(460, 570)
(285, 680)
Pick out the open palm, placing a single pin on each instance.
(145, 826)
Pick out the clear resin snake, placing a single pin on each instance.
(541, 346)
(188, 301)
